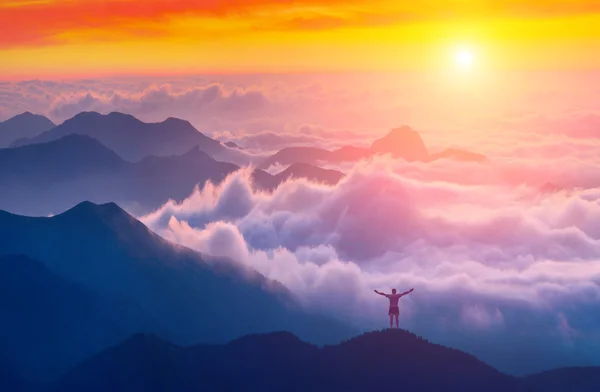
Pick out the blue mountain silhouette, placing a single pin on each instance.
(49, 323)
(131, 138)
(25, 125)
(194, 298)
(46, 178)
(380, 360)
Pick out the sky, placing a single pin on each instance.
(64, 38)
(497, 265)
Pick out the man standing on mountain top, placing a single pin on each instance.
(394, 310)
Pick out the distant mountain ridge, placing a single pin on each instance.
(45, 178)
(402, 143)
(25, 125)
(380, 360)
(184, 296)
(310, 172)
(131, 138)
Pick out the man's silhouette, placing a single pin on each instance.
(394, 309)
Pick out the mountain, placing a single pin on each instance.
(47, 178)
(290, 155)
(148, 184)
(49, 323)
(401, 143)
(193, 297)
(11, 382)
(24, 125)
(58, 160)
(131, 138)
(315, 156)
(581, 379)
(310, 172)
(350, 154)
(381, 360)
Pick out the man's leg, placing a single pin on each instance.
(396, 320)
(391, 320)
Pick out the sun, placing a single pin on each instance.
(464, 58)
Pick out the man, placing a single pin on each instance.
(394, 310)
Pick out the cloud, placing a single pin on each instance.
(330, 110)
(484, 256)
(304, 135)
(213, 98)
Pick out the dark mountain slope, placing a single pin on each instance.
(131, 138)
(195, 298)
(9, 381)
(280, 361)
(24, 125)
(49, 324)
(59, 160)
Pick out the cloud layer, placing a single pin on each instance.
(486, 257)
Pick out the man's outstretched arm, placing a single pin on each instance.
(407, 292)
(380, 293)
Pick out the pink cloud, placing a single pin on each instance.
(481, 257)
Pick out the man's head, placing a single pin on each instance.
(393, 291)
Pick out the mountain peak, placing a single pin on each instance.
(402, 129)
(28, 116)
(87, 114)
(88, 208)
(196, 153)
(178, 122)
(274, 361)
(129, 137)
(403, 142)
(175, 119)
(24, 125)
(121, 115)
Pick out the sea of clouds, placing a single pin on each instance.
(498, 260)
(500, 268)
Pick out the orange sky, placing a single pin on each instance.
(91, 37)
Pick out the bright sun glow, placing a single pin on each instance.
(464, 58)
